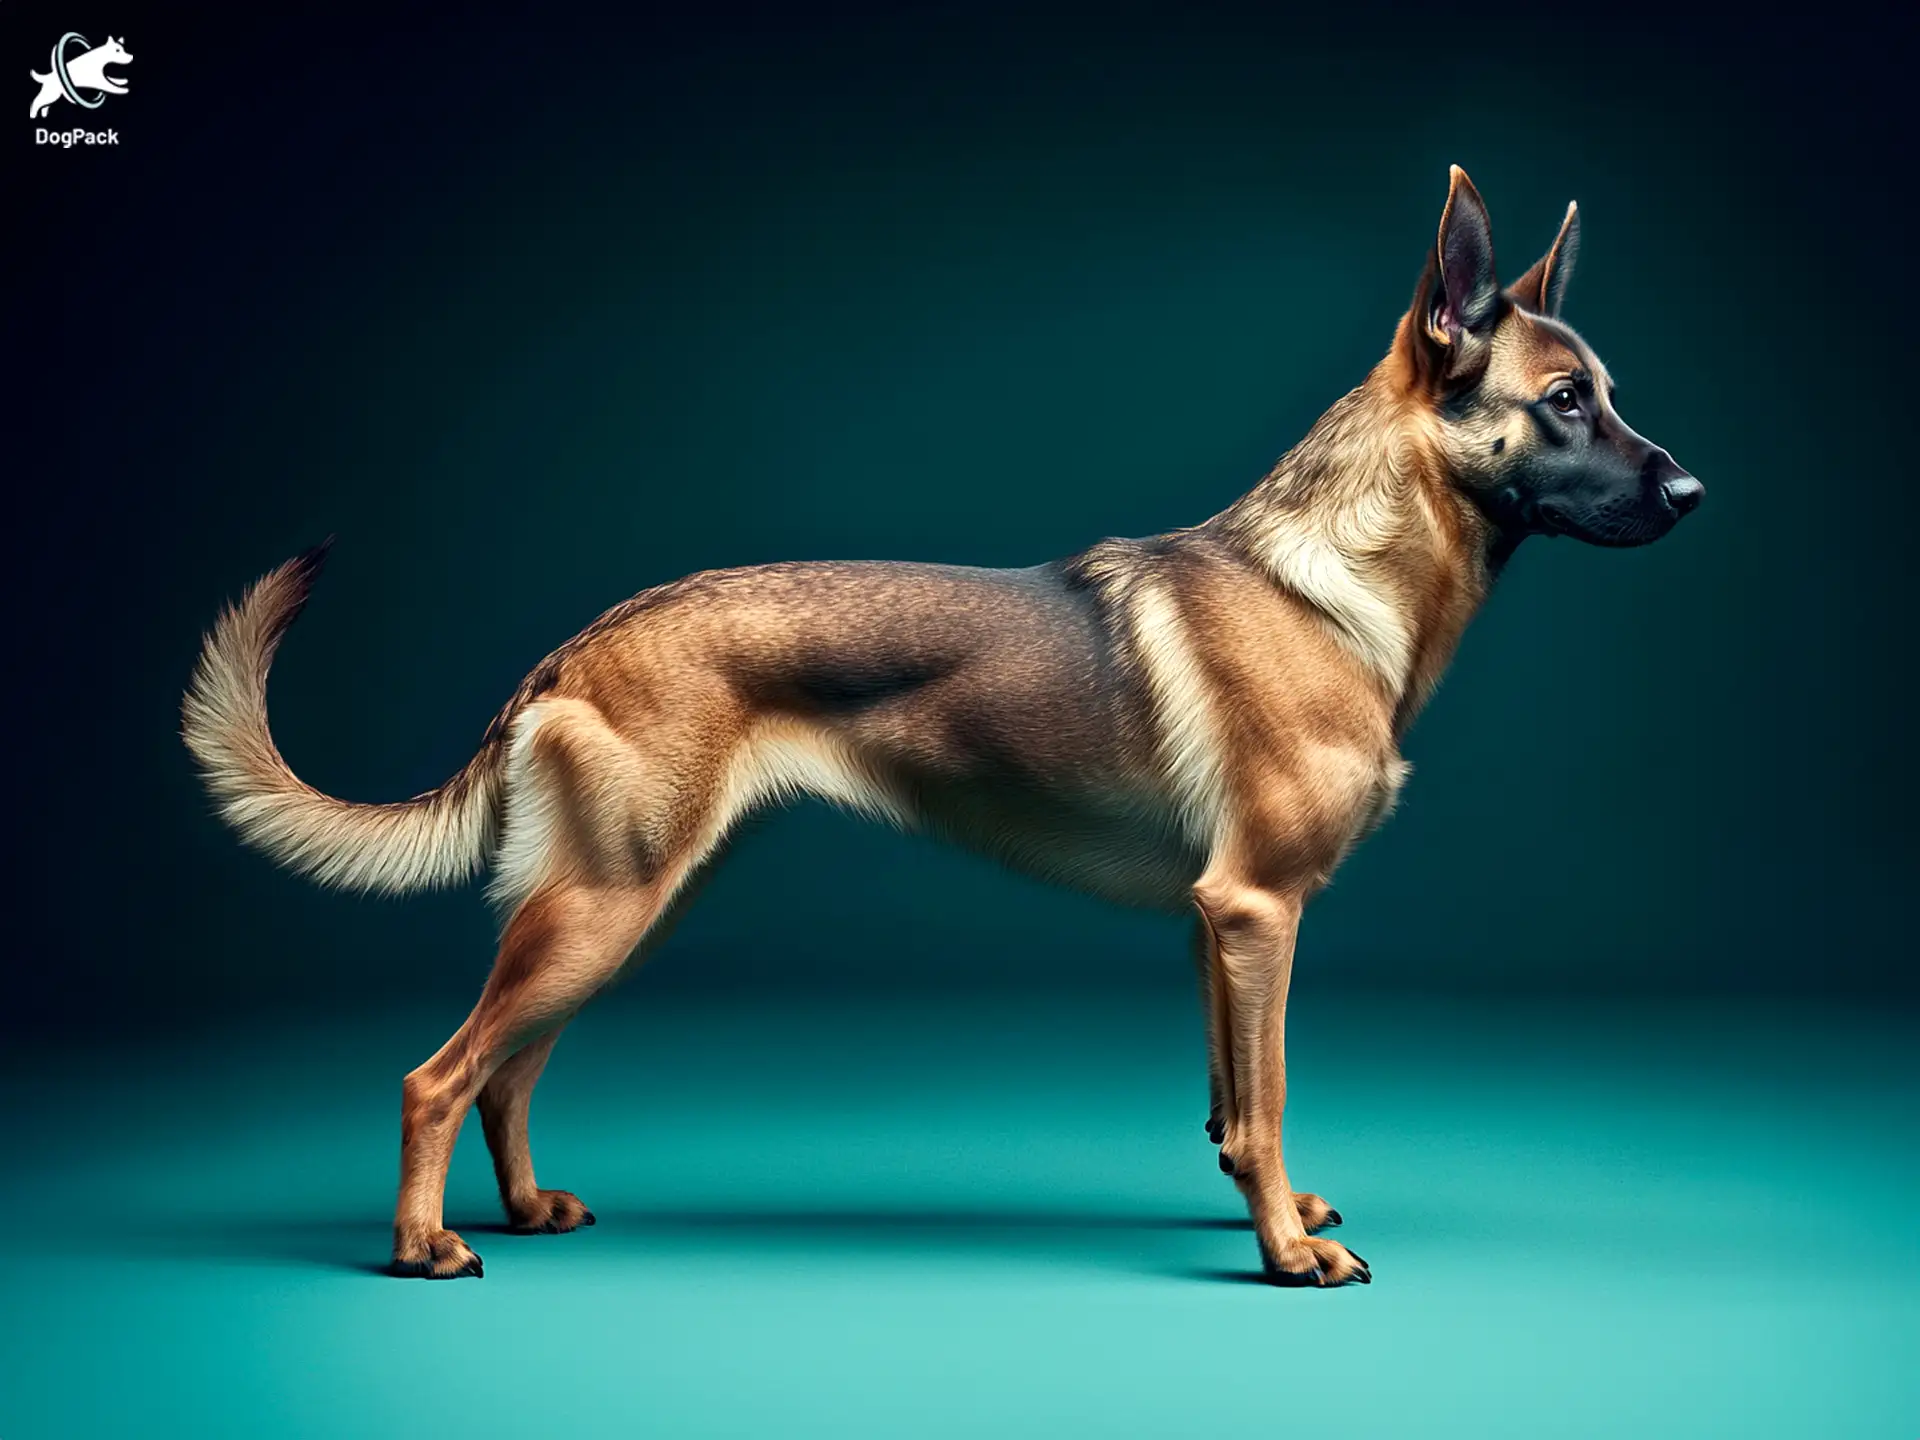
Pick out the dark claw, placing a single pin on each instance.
(423, 1270)
(587, 1219)
(1365, 1277)
(1333, 1218)
(1226, 1163)
(473, 1268)
(1296, 1279)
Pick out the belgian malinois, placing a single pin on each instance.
(1204, 721)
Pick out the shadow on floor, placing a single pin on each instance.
(360, 1245)
(907, 1220)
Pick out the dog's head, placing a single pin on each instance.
(1524, 408)
(113, 52)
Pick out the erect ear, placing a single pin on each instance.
(1544, 287)
(1459, 299)
(1466, 296)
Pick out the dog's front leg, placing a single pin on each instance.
(1315, 1213)
(1250, 932)
(1213, 1013)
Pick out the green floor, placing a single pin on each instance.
(930, 1217)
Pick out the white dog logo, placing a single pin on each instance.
(86, 71)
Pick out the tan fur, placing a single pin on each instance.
(1210, 720)
(434, 839)
(1192, 752)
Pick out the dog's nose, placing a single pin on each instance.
(1684, 493)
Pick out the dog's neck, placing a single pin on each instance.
(1362, 521)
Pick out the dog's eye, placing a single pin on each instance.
(1564, 400)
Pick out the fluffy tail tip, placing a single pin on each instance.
(307, 565)
(300, 574)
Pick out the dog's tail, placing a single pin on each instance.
(439, 838)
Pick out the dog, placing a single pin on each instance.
(87, 71)
(1203, 722)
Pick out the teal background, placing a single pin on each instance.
(983, 1218)
(952, 287)
(1603, 1045)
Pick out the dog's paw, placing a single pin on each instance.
(437, 1255)
(1315, 1213)
(553, 1212)
(1315, 1262)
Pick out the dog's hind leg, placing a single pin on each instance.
(505, 1099)
(503, 1104)
(564, 943)
(49, 93)
(597, 845)
(1250, 932)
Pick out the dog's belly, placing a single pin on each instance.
(1127, 850)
